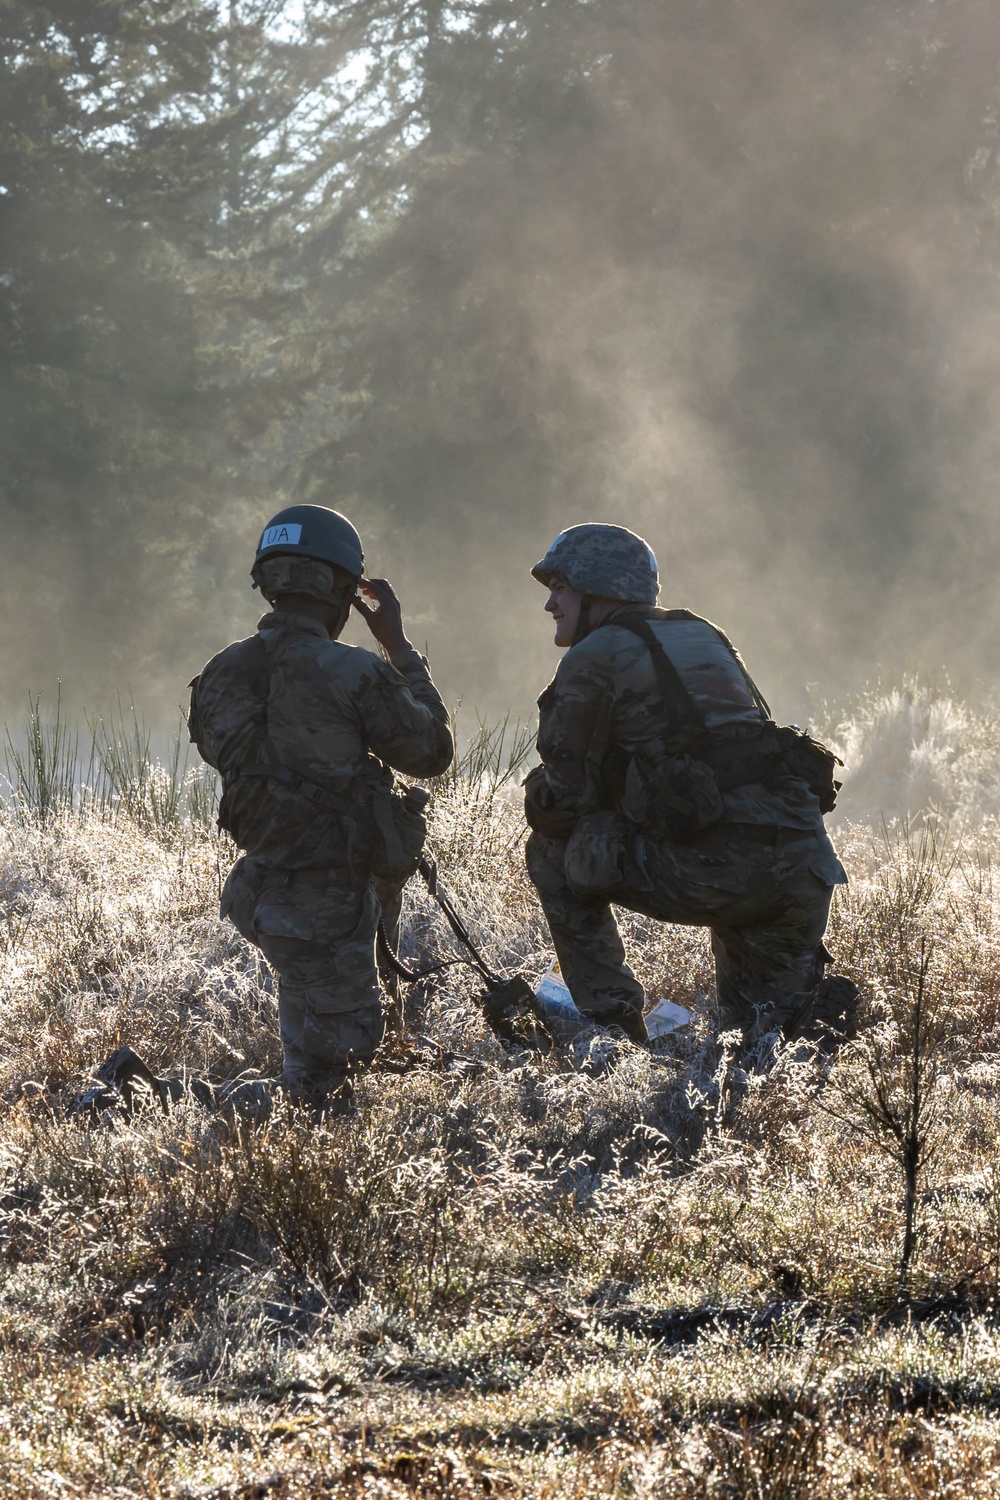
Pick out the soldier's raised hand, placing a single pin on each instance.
(384, 617)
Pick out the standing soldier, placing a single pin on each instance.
(304, 730)
(666, 788)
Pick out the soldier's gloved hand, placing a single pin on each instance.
(539, 811)
(385, 619)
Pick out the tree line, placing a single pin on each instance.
(466, 271)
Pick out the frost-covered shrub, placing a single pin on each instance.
(915, 750)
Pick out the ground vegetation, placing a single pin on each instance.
(547, 1277)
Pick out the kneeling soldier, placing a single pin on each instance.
(666, 788)
(304, 731)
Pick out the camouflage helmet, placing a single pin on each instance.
(313, 531)
(609, 561)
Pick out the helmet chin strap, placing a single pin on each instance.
(345, 611)
(582, 620)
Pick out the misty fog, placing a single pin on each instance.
(724, 273)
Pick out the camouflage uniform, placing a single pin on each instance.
(303, 728)
(761, 878)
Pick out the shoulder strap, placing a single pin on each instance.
(678, 700)
(755, 692)
(640, 626)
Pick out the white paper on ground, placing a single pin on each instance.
(665, 1018)
(552, 987)
(564, 1021)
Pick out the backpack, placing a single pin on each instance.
(683, 779)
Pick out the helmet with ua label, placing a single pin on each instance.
(604, 560)
(313, 531)
(306, 550)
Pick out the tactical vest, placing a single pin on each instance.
(681, 778)
(356, 822)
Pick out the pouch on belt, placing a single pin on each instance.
(597, 853)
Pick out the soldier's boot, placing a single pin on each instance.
(250, 1101)
(630, 1020)
(330, 1099)
(247, 1100)
(827, 1016)
(338, 1105)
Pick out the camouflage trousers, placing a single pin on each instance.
(318, 933)
(766, 905)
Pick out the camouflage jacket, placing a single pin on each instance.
(335, 716)
(606, 703)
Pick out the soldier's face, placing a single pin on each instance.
(563, 604)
